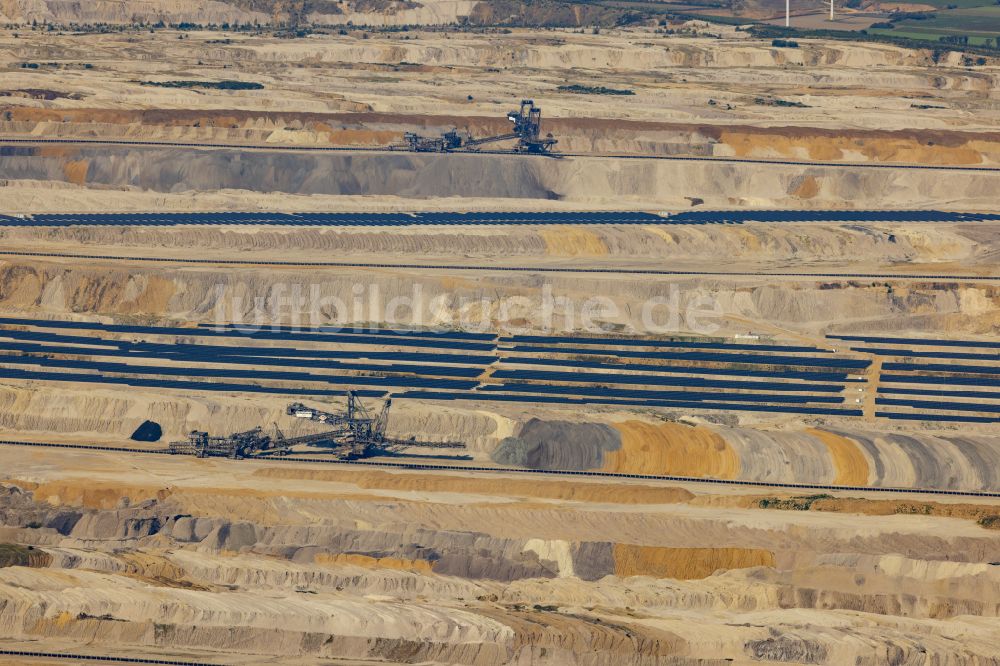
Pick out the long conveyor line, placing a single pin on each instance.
(519, 470)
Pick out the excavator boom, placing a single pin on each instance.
(352, 433)
(527, 131)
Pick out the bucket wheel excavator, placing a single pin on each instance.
(526, 129)
(353, 433)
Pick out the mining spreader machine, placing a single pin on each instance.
(354, 433)
(527, 130)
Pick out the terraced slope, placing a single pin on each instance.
(402, 567)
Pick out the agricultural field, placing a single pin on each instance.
(981, 24)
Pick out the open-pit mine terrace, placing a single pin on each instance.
(914, 379)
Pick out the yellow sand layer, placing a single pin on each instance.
(829, 148)
(670, 448)
(562, 490)
(91, 495)
(226, 502)
(807, 189)
(850, 464)
(155, 298)
(422, 566)
(871, 507)
(565, 241)
(987, 514)
(685, 563)
(76, 171)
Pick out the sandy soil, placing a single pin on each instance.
(232, 535)
(694, 96)
(247, 562)
(253, 562)
(583, 182)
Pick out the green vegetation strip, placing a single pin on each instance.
(803, 503)
(905, 39)
(991, 522)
